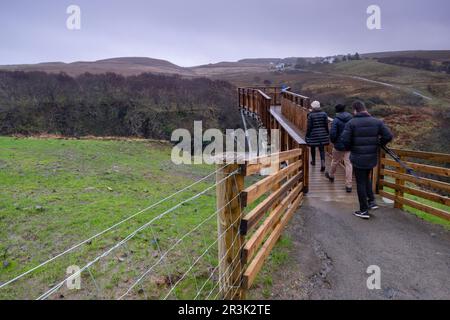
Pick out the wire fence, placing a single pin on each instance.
(168, 250)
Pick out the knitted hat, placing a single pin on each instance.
(315, 105)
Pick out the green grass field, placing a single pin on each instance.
(55, 193)
(423, 215)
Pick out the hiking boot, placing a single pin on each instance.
(373, 206)
(329, 177)
(348, 189)
(362, 215)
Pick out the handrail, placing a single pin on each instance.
(264, 94)
(432, 156)
(290, 93)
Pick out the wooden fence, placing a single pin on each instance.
(429, 185)
(250, 237)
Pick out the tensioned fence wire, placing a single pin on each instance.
(182, 263)
(175, 254)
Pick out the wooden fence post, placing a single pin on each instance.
(399, 193)
(305, 168)
(228, 224)
(376, 176)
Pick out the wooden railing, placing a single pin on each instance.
(274, 93)
(250, 237)
(429, 189)
(296, 108)
(259, 101)
(256, 101)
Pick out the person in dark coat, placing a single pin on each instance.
(363, 136)
(317, 133)
(339, 152)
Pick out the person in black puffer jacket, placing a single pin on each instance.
(363, 136)
(317, 133)
(339, 152)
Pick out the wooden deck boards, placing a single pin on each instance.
(319, 186)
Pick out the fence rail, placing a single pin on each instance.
(428, 185)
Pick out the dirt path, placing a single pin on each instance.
(332, 250)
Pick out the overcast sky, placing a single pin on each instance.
(193, 32)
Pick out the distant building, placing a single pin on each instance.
(329, 60)
(280, 66)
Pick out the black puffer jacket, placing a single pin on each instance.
(317, 132)
(337, 127)
(362, 136)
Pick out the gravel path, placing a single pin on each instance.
(333, 249)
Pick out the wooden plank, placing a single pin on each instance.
(433, 156)
(260, 234)
(254, 166)
(257, 263)
(252, 218)
(420, 206)
(419, 193)
(421, 181)
(261, 187)
(440, 171)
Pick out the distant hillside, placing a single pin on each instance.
(136, 65)
(148, 105)
(123, 66)
(438, 55)
(436, 61)
(229, 68)
(260, 60)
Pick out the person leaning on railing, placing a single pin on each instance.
(363, 136)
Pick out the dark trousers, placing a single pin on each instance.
(321, 151)
(364, 188)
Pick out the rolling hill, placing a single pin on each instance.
(124, 66)
(413, 100)
(438, 55)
